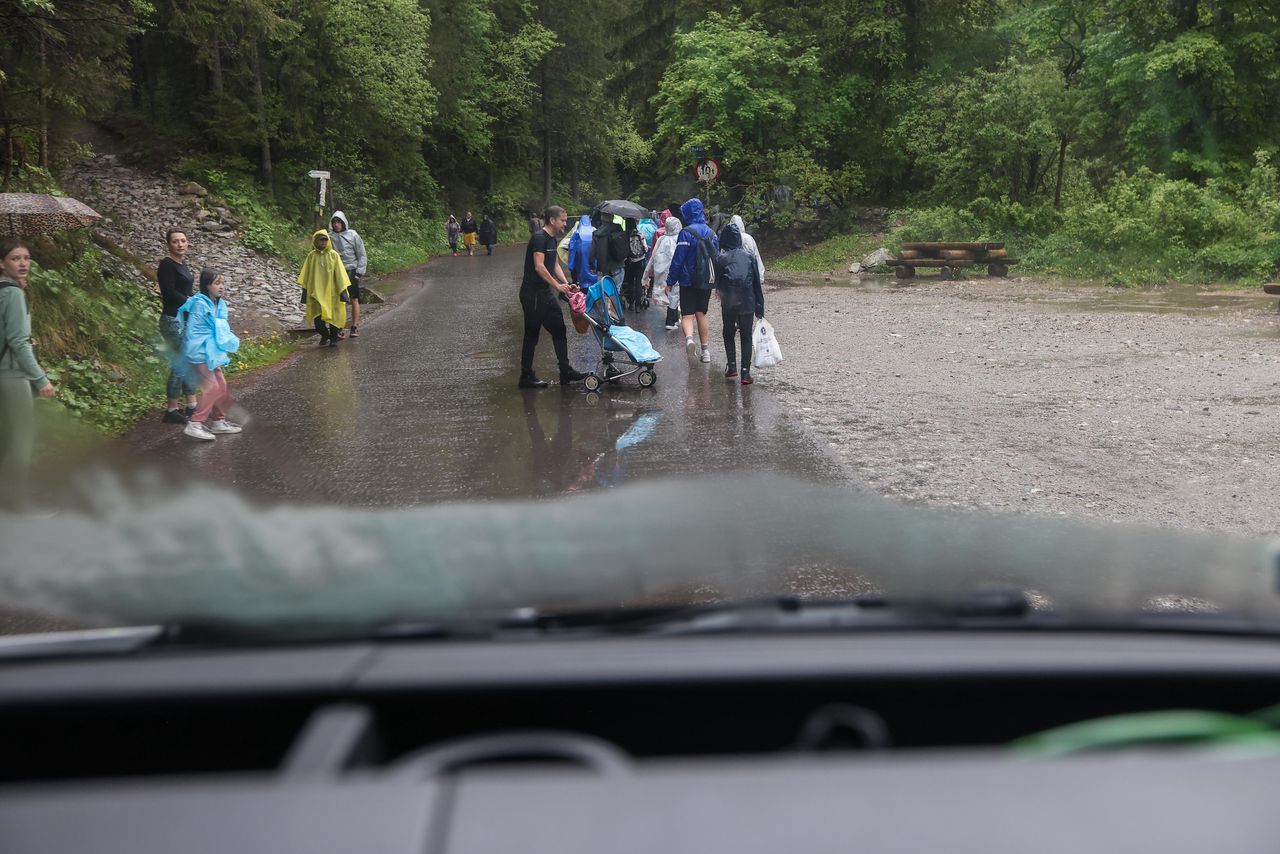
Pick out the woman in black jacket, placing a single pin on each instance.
(488, 233)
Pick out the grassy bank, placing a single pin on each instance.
(1143, 229)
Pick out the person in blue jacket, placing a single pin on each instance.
(694, 272)
(580, 253)
(207, 344)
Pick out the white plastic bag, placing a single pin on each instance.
(766, 353)
(660, 297)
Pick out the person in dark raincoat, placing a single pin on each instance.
(741, 298)
(488, 233)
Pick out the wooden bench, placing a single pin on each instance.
(951, 256)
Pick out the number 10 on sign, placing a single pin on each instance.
(707, 171)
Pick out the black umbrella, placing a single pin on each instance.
(35, 213)
(622, 208)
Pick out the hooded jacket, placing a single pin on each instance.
(324, 278)
(207, 338)
(348, 244)
(488, 231)
(580, 252)
(695, 228)
(736, 276)
(749, 244)
(453, 228)
(664, 249)
(17, 358)
(648, 230)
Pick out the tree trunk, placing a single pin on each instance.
(573, 177)
(264, 136)
(1062, 166)
(8, 155)
(216, 70)
(44, 102)
(546, 140)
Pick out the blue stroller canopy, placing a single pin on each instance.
(612, 333)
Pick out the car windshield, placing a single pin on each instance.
(361, 314)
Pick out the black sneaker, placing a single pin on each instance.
(571, 376)
(189, 411)
(531, 381)
(731, 371)
(175, 416)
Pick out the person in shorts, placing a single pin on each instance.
(350, 247)
(695, 284)
(469, 229)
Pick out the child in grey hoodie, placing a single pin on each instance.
(348, 244)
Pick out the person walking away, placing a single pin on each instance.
(540, 291)
(649, 230)
(324, 289)
(659, 267)
(488, 234)
(349, 245)
(535, 224)
(692, 270)
(749, 244)
(20, 375)
(609, 248)
(741, 298)
(633, 269)
(452, 229)
(207, 345)
(469, 229)
(176, 283)
(580, 244)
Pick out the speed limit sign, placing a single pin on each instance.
(707, 171)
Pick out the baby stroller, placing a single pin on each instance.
(603, 313)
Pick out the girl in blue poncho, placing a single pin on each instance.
(207, 342)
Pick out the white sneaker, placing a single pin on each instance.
(691, 347)
(671, 327)
(705, 358)
(196, 430)
(223, 426)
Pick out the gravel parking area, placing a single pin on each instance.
(1158, 407)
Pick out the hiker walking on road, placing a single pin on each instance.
(452, 229)
(749, 244)
(741, 298)
(692, 269)
(176, 284)
(469, 229)
(488, 233)
(350, 248)
(324, 289)
(540, 290)
(659, 268)
(535, 224)
(207, 345)
(20, 375)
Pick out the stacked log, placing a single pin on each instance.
(951, 256)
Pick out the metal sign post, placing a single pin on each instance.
(324, 189)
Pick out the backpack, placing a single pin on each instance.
(637, 248)
(703, 273)
(619, 248)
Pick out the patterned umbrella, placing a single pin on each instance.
(33, 213)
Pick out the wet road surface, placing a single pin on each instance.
(423, 407)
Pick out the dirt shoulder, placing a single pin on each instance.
(1020, 395)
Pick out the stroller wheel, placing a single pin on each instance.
(647, 378)
(591, 382)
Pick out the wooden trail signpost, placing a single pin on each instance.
(949, 257)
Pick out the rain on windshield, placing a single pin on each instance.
(354, 313)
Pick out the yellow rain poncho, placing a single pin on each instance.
(324, 279)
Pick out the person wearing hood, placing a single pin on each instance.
(452, 229)
(580, 253)
(741, 297)
(350, 247)
(609, 248)
(324, 288)
(20, 376)
(469, 229)
(207, 345)
(488, 233)
(649, 228)
(659, 267)
(749, 244)
(692, 268)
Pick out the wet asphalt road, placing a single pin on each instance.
(423, 407)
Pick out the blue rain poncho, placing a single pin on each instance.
(207, 338)
(580, 252)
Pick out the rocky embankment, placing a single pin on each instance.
(139, 207)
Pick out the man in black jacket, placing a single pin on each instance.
(469, 230)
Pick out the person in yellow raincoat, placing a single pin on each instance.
(324, 288)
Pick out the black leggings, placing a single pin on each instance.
(542, 311)
(743, 324)
(326, 330)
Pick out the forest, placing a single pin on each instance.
(1129, 140)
